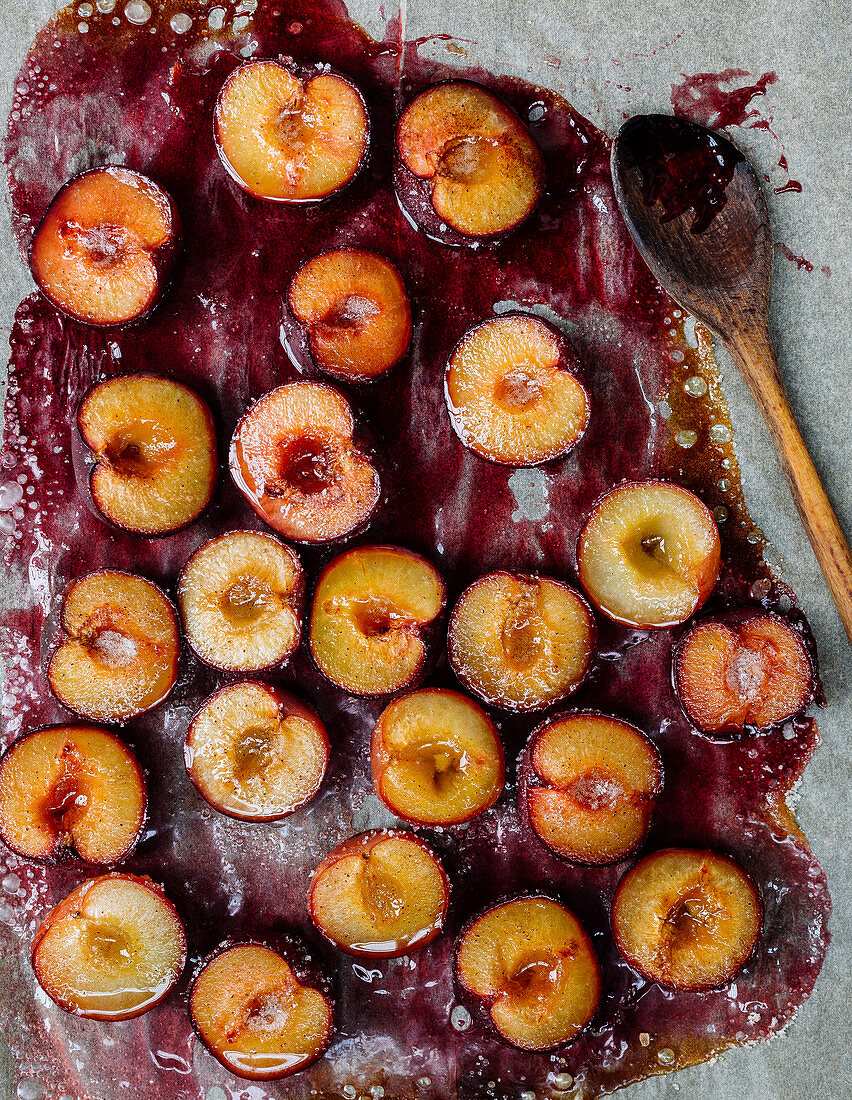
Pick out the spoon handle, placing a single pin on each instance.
(755, 356)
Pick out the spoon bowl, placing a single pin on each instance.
(696, 212)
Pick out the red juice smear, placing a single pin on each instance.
(701, 98)
(124, 94)
(801, 262)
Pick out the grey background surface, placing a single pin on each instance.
(620, 56)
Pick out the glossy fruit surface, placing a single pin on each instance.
(752, 671)
(255, 1016)
(356, 311)
(71, 788)
(154, 445)
(436, 758)
(104, 251)
(591, 785)
(533, 967)
(111, 950)
(686, 919)
(287, 138)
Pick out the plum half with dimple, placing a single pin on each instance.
(749, 670)
(111, 950)
(589, 783)
(71, 788)
(483, 167)
(154, 445)
(286, 137)
(649, 553)
(118, 647)
(520, 641)
(240, 597)
(531, 966)
(686, 919)
(105, 249)
(256, 752)
(380, 894)
(295, 459)
(356, 311)
(256, 1015)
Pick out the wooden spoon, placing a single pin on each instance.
(694, 207)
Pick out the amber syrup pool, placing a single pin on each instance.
(135, 84)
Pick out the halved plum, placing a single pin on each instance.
(154, 445)
(381, 894)
(240, 598)
(589, 783)
(520, 641)
(111, 950)
(289, 138)
(510, 397)
(686, 919)
(649, 554)
(67, 788)
(105, 249)
(256, 752)
(532, 967)
(747, 671)
(372, 606)
(255, 1015)
(485, 169)
(436, 758)
(118, 649)
(356, 311)
(294, 459)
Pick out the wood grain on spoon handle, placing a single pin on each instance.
(756, 358)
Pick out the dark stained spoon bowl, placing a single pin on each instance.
(694, 207)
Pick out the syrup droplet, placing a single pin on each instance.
(137, 12)
(695, 386)
(30, 1089)
(563, 1081)
(460, 1018)
(666, 1056)
(720, 433)
(181, 22)
(687, 438)
(11, 883)
(760, 589)
(720, 513)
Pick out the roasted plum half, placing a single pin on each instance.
(533, 971)
(749, 670)
(370, 621)
(71, 788)
(521, 641)
(113, 949)
(117, 650)
(481, 169)
(436, 758)
(257, 1014)
(286, 137)
(686, 919)
(105, 249)
(588, 786)
(256, 752)
(295, 459)
(153, 444)
(649, 554)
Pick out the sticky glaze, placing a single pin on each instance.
(120, 93)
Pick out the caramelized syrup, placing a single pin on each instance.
(120, 93)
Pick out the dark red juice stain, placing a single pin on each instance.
(122, 94)
(702, 98)
(801, 262)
